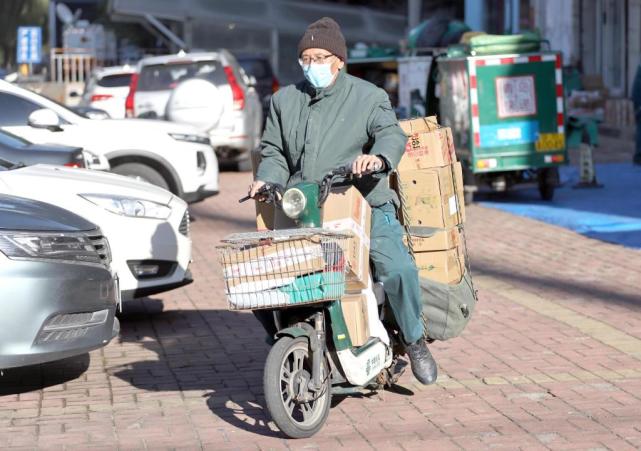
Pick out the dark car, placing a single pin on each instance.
(260, 68)
(58, 294)
(14, 148)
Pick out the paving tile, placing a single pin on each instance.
(549, 355)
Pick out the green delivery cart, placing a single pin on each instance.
(506, 115)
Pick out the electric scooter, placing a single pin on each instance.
(312, 356)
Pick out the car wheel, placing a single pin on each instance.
(141, 172)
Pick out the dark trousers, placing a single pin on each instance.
(394, 266)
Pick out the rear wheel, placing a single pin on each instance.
(297, 411)
(141, 172)
(547, 179)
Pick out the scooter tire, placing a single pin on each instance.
(273, 385)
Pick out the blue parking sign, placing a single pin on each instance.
(29, 46)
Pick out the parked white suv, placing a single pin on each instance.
(147, 227)
(208, 90)
(107, 90)
(176, 157)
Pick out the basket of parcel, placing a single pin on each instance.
(283, 268)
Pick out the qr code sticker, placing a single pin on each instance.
(515, 96)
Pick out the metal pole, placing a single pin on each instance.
(475, 14)
(507, 16)
(52, 24)
(516, 16)
(188, 33)
(275, 50)
(414, 11)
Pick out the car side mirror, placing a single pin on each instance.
(45, 118)
(251, 81)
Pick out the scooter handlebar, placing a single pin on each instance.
(268, 189)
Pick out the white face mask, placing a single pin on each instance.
(319, 75)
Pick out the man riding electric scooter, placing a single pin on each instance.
(332, 119)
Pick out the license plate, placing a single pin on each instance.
(550, 141)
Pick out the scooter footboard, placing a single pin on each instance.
(361, 365)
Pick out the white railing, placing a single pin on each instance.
(71, 65)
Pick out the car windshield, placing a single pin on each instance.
(13, 141)
(114, 81)
(162, 77)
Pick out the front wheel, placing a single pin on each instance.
(141, 172)
(297, 411)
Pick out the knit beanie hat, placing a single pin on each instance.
(324, 34)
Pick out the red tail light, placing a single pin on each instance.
(275, 85)
(74, 164)
(129, 103)
(237, 91)
(99, 97)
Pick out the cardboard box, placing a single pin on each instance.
(344, 209)
(427, 145)
(432, 197)
(354, 308)
(347, 209)
(441, 266)
(592, 82)
(273, 263)
(265, 213)
(427, 240)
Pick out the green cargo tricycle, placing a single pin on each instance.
(506, 112)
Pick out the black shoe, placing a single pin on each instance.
(423, 364)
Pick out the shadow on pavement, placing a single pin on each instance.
(36, 377)
(219, 352)
(572, 288)
(611, 213)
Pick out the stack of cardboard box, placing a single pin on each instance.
(429, 182)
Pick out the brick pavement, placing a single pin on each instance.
(551, 360)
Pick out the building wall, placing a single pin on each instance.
(271, 27)
(558, 22)
(594, 37)
(634, 39)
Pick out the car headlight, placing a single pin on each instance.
(75, 248)
(294, 202)
(129, 206)
(198, 139)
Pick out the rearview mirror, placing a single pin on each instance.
(45, 118)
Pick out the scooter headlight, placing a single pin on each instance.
(294, 202)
